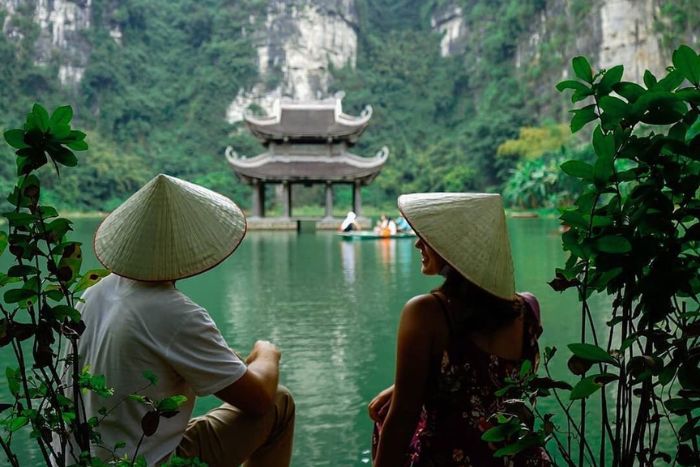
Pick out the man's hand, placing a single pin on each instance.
(263, 349)
(379, 402)
(255, 391)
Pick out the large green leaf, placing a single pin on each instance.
(17, 295)
(578, 169)
(15, 138)
(89, 279)
(585, 388)
(61, 117)
(614, 106)
(672, 80)
(527, 441)
(649, 79)
(681, 405)
(603, 171)
(573, 217)
(582, 116)
(582, 69)
(610, 79)
(41, 117)
(687, 63)
(61, 312)
(630, 91)
(78, 145)
(16, 423)
(693, 131)
(613, 244)
(592, 353)
(501, 432)
(65, 156)
(572, 84)
(21, 270)
(603, 144)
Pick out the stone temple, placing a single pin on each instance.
(307, 143)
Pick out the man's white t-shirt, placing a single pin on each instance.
(133, 327)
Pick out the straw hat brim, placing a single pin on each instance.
(169, 230)
(203, 270)
(415, 209)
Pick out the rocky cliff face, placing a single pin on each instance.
(297, 43)
(61, 24)
(609, 32)
(617, 32)
(448, 20)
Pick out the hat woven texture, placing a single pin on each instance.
(468, 230)
(169, 229)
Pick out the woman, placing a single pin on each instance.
(457, 344)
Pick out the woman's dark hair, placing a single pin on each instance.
(475, 309)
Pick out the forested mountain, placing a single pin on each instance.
(161, 84)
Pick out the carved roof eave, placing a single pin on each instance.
(344, 126)
(347, 167)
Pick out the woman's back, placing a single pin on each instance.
(460, 394)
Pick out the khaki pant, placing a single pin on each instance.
(227, 437)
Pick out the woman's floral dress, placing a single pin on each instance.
(460, 398)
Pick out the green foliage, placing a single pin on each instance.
(540, 183)
(677, 23)
(533, 142)
(43, 287)
(634, 236)
(442, 117)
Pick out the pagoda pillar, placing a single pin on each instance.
(356, 198)
(286, 199)
(258, 204)
(329, 200)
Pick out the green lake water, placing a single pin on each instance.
(332, 306)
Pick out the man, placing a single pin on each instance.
(137, 321)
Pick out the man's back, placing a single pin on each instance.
(133, 327)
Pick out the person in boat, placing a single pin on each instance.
(382, 227)
(458, 344)
(350, 223)
(137, 321)
(391, 228)
(402, 225)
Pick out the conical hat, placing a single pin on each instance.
(468, 230)
(169, 229)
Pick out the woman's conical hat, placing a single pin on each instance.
(169, 229)
(468, 230)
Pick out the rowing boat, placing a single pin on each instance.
(373, 236)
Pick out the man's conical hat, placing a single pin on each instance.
(169, 229)
(468, 230)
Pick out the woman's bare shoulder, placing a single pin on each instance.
(421, 308)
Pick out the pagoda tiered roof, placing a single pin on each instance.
(289, 163)
(308, 121)
(308, 142)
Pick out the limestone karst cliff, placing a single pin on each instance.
(61, 24)
(297, 41)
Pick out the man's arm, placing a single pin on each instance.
(254, 392)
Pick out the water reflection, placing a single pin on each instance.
(347, 256)
(387, 249)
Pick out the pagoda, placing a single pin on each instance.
(307, 143)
